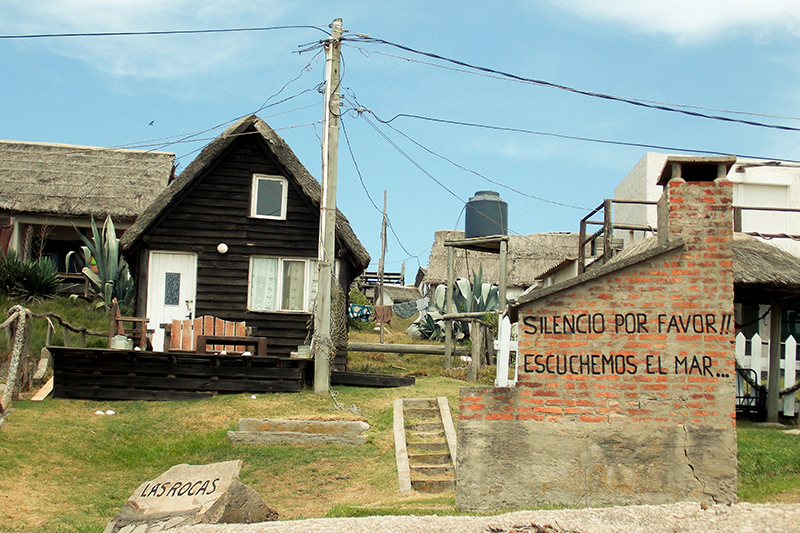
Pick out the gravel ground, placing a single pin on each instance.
(675, 518)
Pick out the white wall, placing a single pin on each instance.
(757, 183)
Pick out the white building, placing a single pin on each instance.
(756, 183)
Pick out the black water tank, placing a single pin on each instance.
(487, 215)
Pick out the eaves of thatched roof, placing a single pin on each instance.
(208, 156)
(402, 293)
(529, 256)
(762, 271)
(66, 180)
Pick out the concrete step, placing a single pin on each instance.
(433, 486)
(426, 413)
(429, 458)
(425, 436)
(418, 403)
(440, 471)
(427, 447)
(424, 426)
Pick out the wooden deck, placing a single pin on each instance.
(103, 374)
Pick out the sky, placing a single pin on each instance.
(552, 154)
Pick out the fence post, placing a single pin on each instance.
(789, 375)
(756, 362)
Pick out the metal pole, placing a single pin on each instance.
(327, 220)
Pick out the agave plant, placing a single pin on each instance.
(467, 298)
(105, 268)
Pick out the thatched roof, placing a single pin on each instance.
(528, 257)
(763, 270)
(60, 179)
(285, 156)
(402, 293)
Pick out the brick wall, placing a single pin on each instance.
(643, 347)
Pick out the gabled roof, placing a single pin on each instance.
(66, 180)
(529, 256)
(285, 156)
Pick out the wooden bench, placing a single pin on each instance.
(181, 335)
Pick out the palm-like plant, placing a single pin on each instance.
(112, 278)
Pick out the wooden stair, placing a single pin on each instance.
(425, 445)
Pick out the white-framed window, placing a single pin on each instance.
(269, 197)
(281, 284)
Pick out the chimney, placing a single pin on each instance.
(697, 199)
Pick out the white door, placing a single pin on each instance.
(171, 286)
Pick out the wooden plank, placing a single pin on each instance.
(89, 393)
(356, 379)
(180, 384)
(44, 391)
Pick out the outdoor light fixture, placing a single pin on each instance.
(222, 248)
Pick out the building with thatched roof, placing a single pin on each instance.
(235, 236)
(529, 256)
(46, 190)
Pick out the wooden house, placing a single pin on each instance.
(47, 190)
(235, 236)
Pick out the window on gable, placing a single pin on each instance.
(269, 197)
(281, 284)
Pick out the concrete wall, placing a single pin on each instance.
(626, 380)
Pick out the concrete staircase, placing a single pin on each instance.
(425, 445)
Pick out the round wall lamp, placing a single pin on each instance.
(222, 248)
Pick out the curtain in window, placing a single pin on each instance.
(293, 285)
(263, 284)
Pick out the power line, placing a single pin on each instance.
(543, 83)
(367, 51)
(167, 32)
(475, 172)
(366, 191)
(572, 137)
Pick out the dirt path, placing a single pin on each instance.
(675, 518)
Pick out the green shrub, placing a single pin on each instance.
(37, 280)
(9, 272)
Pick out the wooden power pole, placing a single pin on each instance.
(323, 344)
(380, 263)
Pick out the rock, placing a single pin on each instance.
(191, 494)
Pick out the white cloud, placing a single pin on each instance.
(158, 57)
(691, 19)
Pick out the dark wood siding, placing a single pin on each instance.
(217, 210)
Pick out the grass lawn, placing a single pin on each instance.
(63, 468)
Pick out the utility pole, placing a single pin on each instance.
(323, 345)
(383, 256)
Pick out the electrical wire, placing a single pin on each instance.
(168, 32)
(366, 191)
(367, 51)
(573, 137)
(543, 83)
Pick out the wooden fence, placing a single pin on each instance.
(754, 354)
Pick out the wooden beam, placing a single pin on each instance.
(427, 349)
